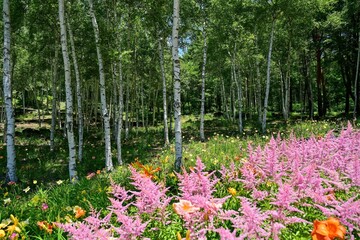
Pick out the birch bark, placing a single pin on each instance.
(78, 93)
(105, 113)
(68, 92)
(53, 101)
(357, 82)
(239, 92)
(203, 72)
(10, 118)
(166, 128)
(177, 86)
(267, 90)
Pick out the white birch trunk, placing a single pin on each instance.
(267, 90)
(105, 113)
(239, 91)
(127, 111)
(177, 86)
(258, 86)
(166, 128)
(53, 101)
(120, 116)
(203, 72)
(357, 81)
(78, 94)
(120, 100)
(10, 118)
(69, 99)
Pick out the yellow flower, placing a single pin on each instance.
(2, 233)
(59, 182)
(187, 237)
(35, 182)
(232, 191)
(26, 189)
(7, 201)
(15, 226)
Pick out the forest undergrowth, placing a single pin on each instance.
(248, 186)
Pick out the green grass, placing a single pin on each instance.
(40, 169)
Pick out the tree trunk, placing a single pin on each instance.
(202, 111)
(356, 102)
(267, 90)
(127, 110)
(239, 91)
(319, 75)
(258, 87)
(177, 87)
(286, 85)
(105, 113)
(308, 85)
(53, 101)
(69, 99)
(10, 118)
(161, 56)
(78, 94)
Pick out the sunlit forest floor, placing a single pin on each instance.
(44, 193)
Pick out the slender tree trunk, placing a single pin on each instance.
(177, 87)
(356, 102)
(161, 56)
(69, 99)
(10, 118)
(286, 86)
(53, 101)
(239, 91)
(127, 110)
(105, 113)
(203, 75)
(267, 90)
(78, 94)
(258, 87)
(120, 120)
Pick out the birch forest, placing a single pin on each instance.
(182, 119)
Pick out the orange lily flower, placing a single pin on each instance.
(79, 212)
(184, 207)
(329, 229)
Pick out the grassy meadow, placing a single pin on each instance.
(44, 195)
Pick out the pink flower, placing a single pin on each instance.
(184, 208)
(44, 206)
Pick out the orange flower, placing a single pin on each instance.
(44, 225)
(184, 207)
(328, 229)
(145, 170)
(79, 212)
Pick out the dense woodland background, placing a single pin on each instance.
(244, 60)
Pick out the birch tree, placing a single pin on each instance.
(268, 72)
(78, 93)
(203, 72)
(356, 87)
(68, 92)
(10, 118)
(177, 86)
(105, 113)
(161, 56)
(53, 101)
